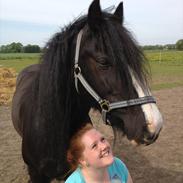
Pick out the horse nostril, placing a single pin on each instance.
(149, 138)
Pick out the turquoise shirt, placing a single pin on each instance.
(118, 173)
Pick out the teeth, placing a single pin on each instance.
(105, 154)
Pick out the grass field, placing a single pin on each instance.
(18, 61)
(166, 66)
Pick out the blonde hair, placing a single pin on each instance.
(76, 147)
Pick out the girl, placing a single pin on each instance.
(91, 159)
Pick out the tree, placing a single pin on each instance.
(179, 44)
(3, 49)
(19, 48)
(15, 47)
(169, 46)
(153, 47)
(11, 48)
(32, 49)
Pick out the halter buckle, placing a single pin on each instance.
(104, 104)
(77, 69)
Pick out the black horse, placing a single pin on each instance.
(92, 63)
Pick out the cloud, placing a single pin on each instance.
(151, 21)
(40, 11)
(44, 11)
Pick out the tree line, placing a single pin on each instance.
(177, 46)
(19, 48)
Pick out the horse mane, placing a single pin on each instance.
(52, 98)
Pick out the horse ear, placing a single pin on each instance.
(118, 14)
(94, 14)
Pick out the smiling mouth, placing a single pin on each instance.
(105, 154)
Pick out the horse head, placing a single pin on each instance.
(110, 66)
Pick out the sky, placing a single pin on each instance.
(36, 21)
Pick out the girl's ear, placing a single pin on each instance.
(83, 162)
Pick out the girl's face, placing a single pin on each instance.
(97, 152)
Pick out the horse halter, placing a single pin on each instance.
(105, 105)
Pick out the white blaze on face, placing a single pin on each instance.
(152, 115)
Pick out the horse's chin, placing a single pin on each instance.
(118, 124)
(147, 140)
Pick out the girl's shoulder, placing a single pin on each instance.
(118, 168)
(75, 177)
(119, 163)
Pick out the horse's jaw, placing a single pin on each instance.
(137, 128)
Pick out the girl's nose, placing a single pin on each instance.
(103, 145)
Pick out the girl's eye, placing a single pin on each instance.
(94, 146)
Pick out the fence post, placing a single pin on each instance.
(160, 56)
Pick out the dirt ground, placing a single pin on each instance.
(161, 162)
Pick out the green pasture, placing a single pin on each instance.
(16, 56)
(165, 56)
(18, 61)
(166, 66)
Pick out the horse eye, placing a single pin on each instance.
(103, 63)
